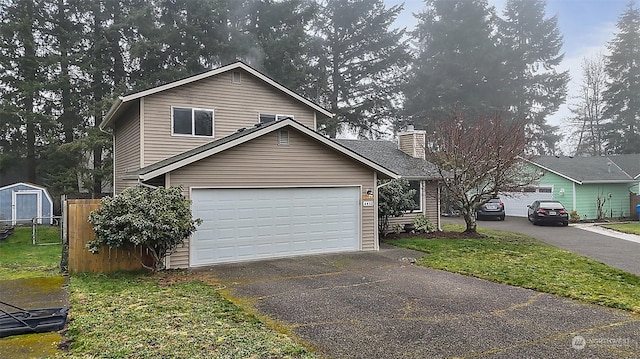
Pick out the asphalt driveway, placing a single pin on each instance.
(378, 305)
(616, 252)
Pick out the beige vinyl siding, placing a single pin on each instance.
(234, 105)
(430, 207)
(262, 163)
(126, 147)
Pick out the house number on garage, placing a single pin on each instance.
(367, 203)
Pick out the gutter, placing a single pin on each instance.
(112, 110)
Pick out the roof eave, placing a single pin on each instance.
(112, 111)
(608, 181)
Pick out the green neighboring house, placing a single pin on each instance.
(595, 187)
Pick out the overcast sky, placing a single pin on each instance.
(586, 26)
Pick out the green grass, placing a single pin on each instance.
(142, 316)
(522, 261)
(19, 258)
(632, 228)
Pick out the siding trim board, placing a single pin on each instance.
(141, 132)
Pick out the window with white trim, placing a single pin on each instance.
(191, 122)
(417, 196)
(267, 117)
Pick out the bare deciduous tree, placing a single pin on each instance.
(587, 113)
(477, 159)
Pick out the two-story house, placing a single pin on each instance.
(245, 150)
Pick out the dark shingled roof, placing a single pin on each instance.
(596, 169)
(628, 163)
(387, 154)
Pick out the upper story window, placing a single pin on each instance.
(191, 122)
(267, 117)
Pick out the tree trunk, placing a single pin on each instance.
(470, 220)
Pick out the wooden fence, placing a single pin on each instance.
(80, 232)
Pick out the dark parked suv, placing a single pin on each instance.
(494, 208)
(548, 212)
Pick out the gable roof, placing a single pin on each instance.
(387, 154)
(629, 163)
(242, 136)
(584, 170)
(122, 100)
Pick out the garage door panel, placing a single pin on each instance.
(247, 224)
(515, 203)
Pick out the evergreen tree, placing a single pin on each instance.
(359, 61)
(622, 95)
(281, 42)
(532, 44)
(59, 165)
(458, 67)
(23, 59)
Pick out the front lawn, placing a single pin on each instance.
(20, 259)
(144, 316)
(632, 228)
(522, 261)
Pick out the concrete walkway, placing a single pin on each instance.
(597, 228)
(378, 305)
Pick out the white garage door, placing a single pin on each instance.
(515, 203)
(248, 224)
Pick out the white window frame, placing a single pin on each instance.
(277, 116)
(193, 121)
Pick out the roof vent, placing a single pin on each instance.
(259, 124)
(609, 167)
(241, 129)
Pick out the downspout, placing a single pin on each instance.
(573, 184)
(439, 209)
(113, 161)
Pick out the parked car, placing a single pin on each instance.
(548, 212)
(492, 209)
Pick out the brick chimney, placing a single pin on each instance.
(412, 141)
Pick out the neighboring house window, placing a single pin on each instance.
(266, 117)
(417, 197)
(192, 121)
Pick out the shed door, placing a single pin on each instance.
(250, 224)
(26, 206)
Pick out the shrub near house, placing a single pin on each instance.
(157, 219)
